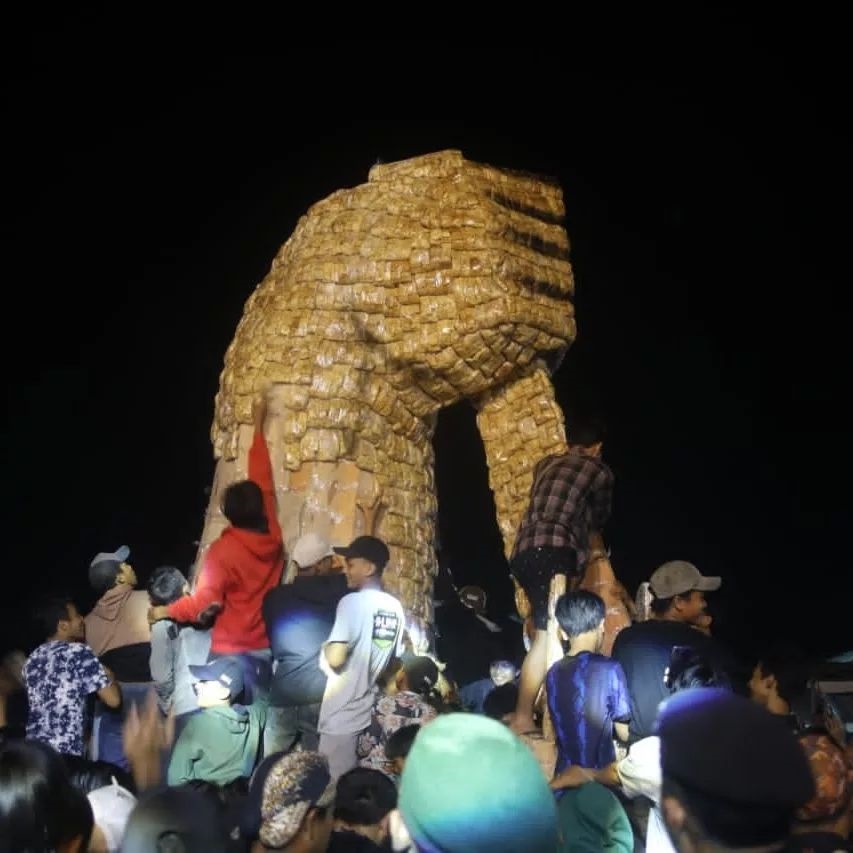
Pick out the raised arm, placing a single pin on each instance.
(260, 465)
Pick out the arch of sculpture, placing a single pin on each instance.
(437, 280)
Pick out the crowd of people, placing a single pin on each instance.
(279, 704)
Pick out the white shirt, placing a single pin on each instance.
(371, 623)
(640, 774)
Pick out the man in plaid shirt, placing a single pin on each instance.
(569, 501)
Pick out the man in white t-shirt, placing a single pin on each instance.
(367, 634)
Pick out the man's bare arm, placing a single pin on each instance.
(336, 654)
(110, 695)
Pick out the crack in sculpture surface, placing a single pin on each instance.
(438, 280)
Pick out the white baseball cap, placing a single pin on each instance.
(310, 549)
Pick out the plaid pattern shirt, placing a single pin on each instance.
(570, 499)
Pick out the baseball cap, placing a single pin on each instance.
(833, 776)
(471, 785)
(421, 672)
(250, 816)
(296, 783)
(726, 746)
(367, 548)
(117, 556)
(226, 670)
(310, 549)
(678, 577)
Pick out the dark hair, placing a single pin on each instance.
(661, 605)
(399, 743)
(790, 670)
(501, 701)
(50, 613)
(39, 809)
(176, 819)
(166, 585)
(243, 506)
(102, 576)
(731, 823)
(687, 668)
(88, 776)
(585, 430)
(363, 797)
(580, 611)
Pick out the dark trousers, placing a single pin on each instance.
(286, 727)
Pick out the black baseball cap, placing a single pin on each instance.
(367, 548)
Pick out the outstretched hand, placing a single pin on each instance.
(208, 616)
(260, 406)
(155, 614)
(145, 735)
(572, 777)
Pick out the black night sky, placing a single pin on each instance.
(708, 214)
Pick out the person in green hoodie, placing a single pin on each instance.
(221, 743)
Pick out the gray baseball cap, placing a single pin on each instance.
(678, 577)
(117, 556)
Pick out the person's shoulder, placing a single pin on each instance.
(605, 469)
(629, 634)
(34, 659)
(562, 670)
(39, 651)
(139, 598)
(279, 593)
(605, 663)
(80, 651)
(380, 596)
(394, 601)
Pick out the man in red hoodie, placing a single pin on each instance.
(242, 565)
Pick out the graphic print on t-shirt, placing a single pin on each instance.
(386, 624)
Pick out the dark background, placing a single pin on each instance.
(148, 191)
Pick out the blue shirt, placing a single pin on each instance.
(587, 693)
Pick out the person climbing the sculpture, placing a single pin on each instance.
(241, 566)
(569, 506)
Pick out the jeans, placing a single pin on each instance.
(287, 726)
(108, 723)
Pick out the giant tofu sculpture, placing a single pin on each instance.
(438, 280)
